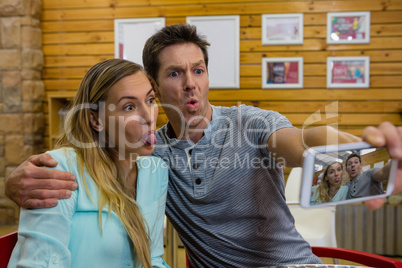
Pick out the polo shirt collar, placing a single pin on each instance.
(208, 131)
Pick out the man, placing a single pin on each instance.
(365, 183)
(226, 188)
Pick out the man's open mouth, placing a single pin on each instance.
(193, 103)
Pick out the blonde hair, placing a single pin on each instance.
(324, 187)
(101, 161)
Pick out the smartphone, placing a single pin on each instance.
(346, 173)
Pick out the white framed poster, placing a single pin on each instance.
(348, 27)
(348, 72)
(282, 72)
(130, 36)
(282, 29)
(223, 33)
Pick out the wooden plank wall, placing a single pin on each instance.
(78, 34)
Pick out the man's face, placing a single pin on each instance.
(183, 85)
(353, 167)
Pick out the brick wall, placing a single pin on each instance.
(22, 91)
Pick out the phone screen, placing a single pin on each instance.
(345, 174)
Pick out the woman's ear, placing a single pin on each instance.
(96, 124)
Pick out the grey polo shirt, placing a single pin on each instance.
(364, 185)
(226, 193)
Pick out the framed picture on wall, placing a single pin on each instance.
(348, 72)
(282, 72)
(223, 33)
(282, 29)
(130, 36)
(348, 27)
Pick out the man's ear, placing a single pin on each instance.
(95, 122)
(154, 86)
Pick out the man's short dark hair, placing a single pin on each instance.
(170, 35)
(354, 154)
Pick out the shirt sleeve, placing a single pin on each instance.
(371, 172)
(44, 234)
(156, 221)
(314, 195)
(260, 124)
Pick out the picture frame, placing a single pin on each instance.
(282, 72)
(223, 33)
(132, 34)
(348, 72)
(282, 29)
(348, 27)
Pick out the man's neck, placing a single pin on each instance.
(192, 133)
(195, 135)
(355, 178)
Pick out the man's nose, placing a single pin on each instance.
(189, 83)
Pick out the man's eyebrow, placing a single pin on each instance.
(198, 63)
(174, 67)
(135, 98)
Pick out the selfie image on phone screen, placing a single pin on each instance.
(346, 174)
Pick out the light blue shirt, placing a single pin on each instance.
(339, 196)
(68, 235)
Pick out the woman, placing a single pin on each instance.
(115, 218)
(330, 188)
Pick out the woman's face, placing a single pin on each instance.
(130, 116)
(334, 174)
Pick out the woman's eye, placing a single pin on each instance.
(129, 107)
(152, 101)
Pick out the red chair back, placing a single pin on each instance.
(7, 243)
(369, 259)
